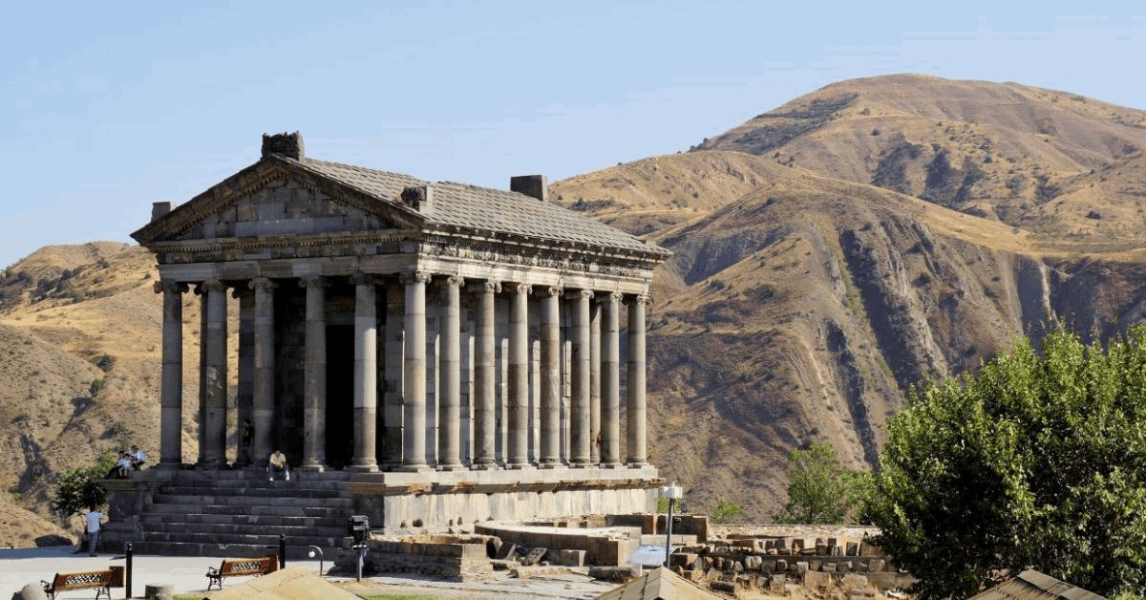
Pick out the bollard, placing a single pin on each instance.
(282, 550)
(127, 584)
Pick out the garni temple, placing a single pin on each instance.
(425, 354)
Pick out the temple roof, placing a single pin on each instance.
(472, 207)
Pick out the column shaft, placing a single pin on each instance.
(215, 431)
(414, 376)
(580, 436)
(392, 409)
(264, 403)
(171, 387)
(314, 373)
(635, 380)
(485, 380)
(610, 382)
(518, 384)
(365, 374)
(550, 378)
(594, 383)
(449, 417)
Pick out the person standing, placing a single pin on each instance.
(93, 519)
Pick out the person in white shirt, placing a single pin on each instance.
(277, 462)
(93, 518)
(138, 457)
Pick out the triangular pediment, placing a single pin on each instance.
(280, 197)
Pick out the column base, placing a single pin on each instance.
(581, 465)
(363, 468)
(453, 467)
(551, 465)
(169, 466)
(485, 466)
(637, 465)
(611, 466)
(519, 467)
(418, 468)
(312, 468)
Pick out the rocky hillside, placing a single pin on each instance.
(856, 241)
(829, 254)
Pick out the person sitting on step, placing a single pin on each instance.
(277, 462)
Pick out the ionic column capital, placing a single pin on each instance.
(455, 281)
(579, 295)
(642, 299)
(262, 283)
(553, 291)
(213, 285)
(415, 277)
(315, 281)
(520, 288)
(609, 297)
(361, 278)
(168, 286)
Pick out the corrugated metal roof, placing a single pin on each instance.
(1033, 585)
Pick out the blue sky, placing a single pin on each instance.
(108, 107)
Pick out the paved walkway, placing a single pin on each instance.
(188, 574)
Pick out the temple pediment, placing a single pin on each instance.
(282, 197)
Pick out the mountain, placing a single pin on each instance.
(828, 255)
(859, 240)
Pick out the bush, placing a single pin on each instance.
(725, 512)
(78, 489)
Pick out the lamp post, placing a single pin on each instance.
(314, 549)
(673, 493)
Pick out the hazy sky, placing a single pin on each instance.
(110, 106)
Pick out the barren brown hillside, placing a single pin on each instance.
(828, 255)
(896, 229)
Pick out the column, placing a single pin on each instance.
(245, 392)
(636, 407)
(215, 405)
(594, 383)
(264, 403)
(171, 386)
(414, 375)
(392, 410)
(449, 417)
(610, 382)
(365, 374)
(485, 379)
(550, 445)
(201, 291)
(518, 384)
(580, 433)
(314, 374)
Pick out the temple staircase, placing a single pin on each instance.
(240, 513)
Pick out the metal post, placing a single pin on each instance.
(668, 528)
(361, 558)
(314, 549)
(127, 570)
(282, 551)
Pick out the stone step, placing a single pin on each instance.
(224, 509)
(226, 478)
(251, 490)
(245, 501)
(267, 541)
(294, 527)
(231, 520)
(228, 550)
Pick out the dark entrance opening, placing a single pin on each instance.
(339, 395)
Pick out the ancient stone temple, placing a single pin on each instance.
(447, 353)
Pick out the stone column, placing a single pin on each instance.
(594, 383)
(365, 374)
(580, 436)
(264, 402)
(245, 391)
(414, 376)
(485, 380)
(392, 410)
(518, 455)
(636, 408)
(314, 374)
(201, 291)
(610, 382)
(215, 417)
(171, 386)
(551, 378)
(449, 417)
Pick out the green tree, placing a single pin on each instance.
(1037, 462)
(820, 491)
(725, 512)
(77, 488)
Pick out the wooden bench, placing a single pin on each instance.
(236, 567)
(85, 580)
